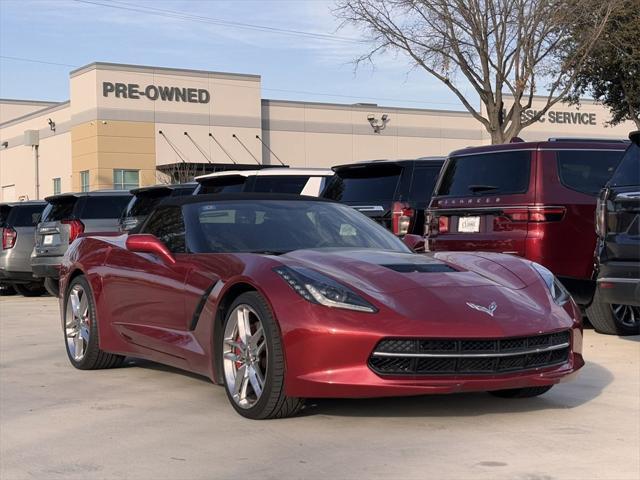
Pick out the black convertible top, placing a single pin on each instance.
(220, 197)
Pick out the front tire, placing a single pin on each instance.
(33, 289)
(253, 363)
(80, 328)
(613, 319)
(526, 392)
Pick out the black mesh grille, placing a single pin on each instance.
(463, 356)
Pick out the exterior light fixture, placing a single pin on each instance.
(378, 125)
(52, 125)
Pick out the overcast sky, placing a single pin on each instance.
(293, 66)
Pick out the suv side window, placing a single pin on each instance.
(167, 224)
(628, 172)
(587, 171)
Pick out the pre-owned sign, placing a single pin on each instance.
(134, 91)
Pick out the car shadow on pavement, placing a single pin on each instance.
(591, 381)
(132, 362)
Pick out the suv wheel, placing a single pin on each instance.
(52, 285)
(613, 319)
(33, 289)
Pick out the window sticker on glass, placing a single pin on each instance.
(347, 230)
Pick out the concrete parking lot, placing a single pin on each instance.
(148, 421)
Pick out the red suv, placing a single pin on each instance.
(534, 200)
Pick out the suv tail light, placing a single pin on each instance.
(533, 214)
(76, 227)
(601, 214)
(9, 236)
(443, 224)
(402, 216)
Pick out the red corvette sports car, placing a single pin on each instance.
(282, 298)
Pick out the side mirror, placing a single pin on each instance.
(146, 243)
(414, 242)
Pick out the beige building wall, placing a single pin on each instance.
(321, 135)
(12, 109)
(101, 129)
(17, 160)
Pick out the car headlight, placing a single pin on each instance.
(559, 294)
(317, 288)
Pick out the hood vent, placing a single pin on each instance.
(420, 267)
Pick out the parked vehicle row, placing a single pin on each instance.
(533, 200)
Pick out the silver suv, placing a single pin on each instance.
(65, 217)
(18, 221)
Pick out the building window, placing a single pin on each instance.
(125, 179)
(84, 181)
(56, 186)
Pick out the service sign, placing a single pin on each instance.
(134, 91)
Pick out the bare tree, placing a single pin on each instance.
(497, 46)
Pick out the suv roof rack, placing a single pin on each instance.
(590, 140)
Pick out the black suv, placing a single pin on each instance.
(394, 193)
(145, 199)
(616, 304)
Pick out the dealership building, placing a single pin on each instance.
(128, 125)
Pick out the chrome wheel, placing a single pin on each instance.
(245, 356)
(627, 315)
(77, 322)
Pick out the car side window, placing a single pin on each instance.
(167, 224)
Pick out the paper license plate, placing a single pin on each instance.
(47, 240)
(469, 224)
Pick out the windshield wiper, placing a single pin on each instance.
(482, 188)
(267, 252)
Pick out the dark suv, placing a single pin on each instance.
(19, 221)
(64, 218)
(394, 193)
(616, 304)
(145, 199)
(535, 200)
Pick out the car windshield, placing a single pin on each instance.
(280, 226)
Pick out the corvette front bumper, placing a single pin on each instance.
(331, 358)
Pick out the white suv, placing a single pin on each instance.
(298, 181)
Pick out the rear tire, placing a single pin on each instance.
(80, 329)
(253, 363)
(33, 289)
(53, 286)
(526, 392)
(613, 319)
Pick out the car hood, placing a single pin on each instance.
(446, 289)
(381, 271)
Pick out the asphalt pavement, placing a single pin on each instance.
(147, 421)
